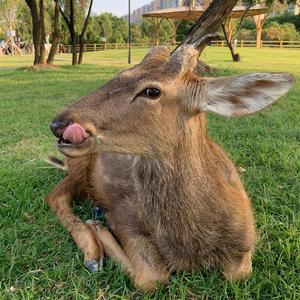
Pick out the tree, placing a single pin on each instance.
(206, 27)
(104, 21)
(284, 32)
(36, 30)
(81, 36)
(69, 7)
(231, 28)
(183, 28)
(55, 35)
(165, 32)
(8, 10)
(136, 33)
(285, 18)
(40, 27)
(42, 32)
(119, 30)
(9, 24)
(246, 34)
(274, 6)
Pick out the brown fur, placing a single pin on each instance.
(173, 199)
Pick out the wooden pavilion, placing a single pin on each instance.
(193, 13)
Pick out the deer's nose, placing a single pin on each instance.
(57, 127)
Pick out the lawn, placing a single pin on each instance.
(39, 260)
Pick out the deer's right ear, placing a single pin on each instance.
(243, 95)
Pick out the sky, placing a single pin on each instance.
(117, 7)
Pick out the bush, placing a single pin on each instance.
(284, 32)
(246, 34)
(285, 18)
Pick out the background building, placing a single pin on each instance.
(136, 15)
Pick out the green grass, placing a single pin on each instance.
(39, 260)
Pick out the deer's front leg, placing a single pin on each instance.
(138, 257)
(60, 202)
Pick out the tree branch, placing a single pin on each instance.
(87, 18)
(72, 15)
(209, 23)
(63, 14)
(241, 22)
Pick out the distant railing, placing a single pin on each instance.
(237, 43)
(265, 44)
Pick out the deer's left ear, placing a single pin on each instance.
(243, 95)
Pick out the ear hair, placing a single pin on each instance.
(243, 95)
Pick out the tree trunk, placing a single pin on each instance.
(74, 48)
(259, 22)
(235, 57)
(43, 34)
(174, 26)
(73, 33)
(81, 37)
(36, 30)
(55, 36)
(209, 23)
(71, 26)
(81, 44)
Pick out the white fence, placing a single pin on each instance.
(238, 43)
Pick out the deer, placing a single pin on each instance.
(139, 148)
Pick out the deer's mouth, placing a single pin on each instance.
(61, 142)
(74, 139)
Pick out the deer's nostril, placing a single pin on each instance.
(57, 127)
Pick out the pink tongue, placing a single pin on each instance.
(75, 134)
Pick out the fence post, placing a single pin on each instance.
(281, 44)
(95, 47)
(104, 46)
(242, 43)
(222, 44)
(116, 46)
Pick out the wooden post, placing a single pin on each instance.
(222, 44)
(116, 46)
(174, 26)
(259, 22)
(242, 43)
(156, 24)
(95, 47)
(281, 44)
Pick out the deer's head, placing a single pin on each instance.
(145, 110)
(149, 109)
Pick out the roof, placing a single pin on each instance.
(184, 13)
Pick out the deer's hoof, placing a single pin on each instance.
(94, 265)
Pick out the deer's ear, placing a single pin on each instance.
(243, 95)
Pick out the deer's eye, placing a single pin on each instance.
(151, 93)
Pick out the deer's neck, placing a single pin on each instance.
(168, 183)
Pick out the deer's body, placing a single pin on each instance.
(139, 148)
(178, 204)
